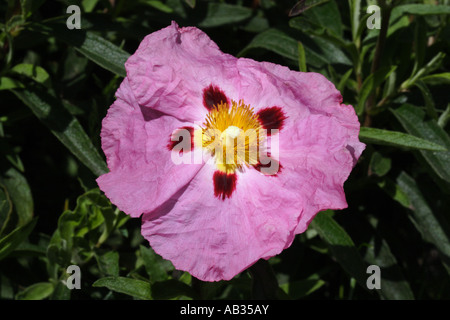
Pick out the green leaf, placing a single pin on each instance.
(33, 72)
(109, 263)
(428, 98)
(328, 16)
(430, 223)
(7, 83)
(155, 266)
(301, 58)
(94, 47)
(303, 5)
(219, 14)
(394, 191)
(20, 194)
(37, 291)
(132, 287)
(370, 84)
(16, 237)
(379, 165)
(414, 121)
(5, 208)
(191, 3)
(159, 5)
(302, 288)
(341, 246)
(397, 139)
(64, 126)
(342, 83)
(276, 41)
(432, 65)
(437, 78)
(422, 9)
(89, 5)
(355, 12)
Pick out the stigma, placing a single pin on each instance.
(232, 134)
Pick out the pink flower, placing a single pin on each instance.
(214, 218)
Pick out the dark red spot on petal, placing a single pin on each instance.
(177, 137)
(213, 96)
(271, 118)
(268, 166)
(224, 184)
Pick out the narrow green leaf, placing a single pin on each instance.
(432, 65)
(159, 5)
(7, 83)
(301, 58)
(422, 9)
(276, 41)
(16, 237)
(414, 121)
(33, 72)
(89, 5)
(341, 246)
(444, 117)
(355, 12)
(37, 291)
(302, 288)
(303, 5)
(191, 3)
(94, 47)
(342, 83)
(394, 191)
(370, 84)
(219, 14)
(428, 98)
(397, 139)
(438, 78)
(132, 287)
(5, 208)
(431, 224)
(64, 126)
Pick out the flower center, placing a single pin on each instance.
(232, 134)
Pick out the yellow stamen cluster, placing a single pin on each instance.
(233, 135)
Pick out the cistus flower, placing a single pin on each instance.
(216, 216)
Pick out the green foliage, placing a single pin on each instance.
(56, 82)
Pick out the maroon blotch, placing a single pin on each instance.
(179, 138)
(213, 96)
(267, 166)
(224, 184)
(271, 118)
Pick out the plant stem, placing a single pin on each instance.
(385, 15)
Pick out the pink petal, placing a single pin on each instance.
(215, 239)
(172, 67)
(142, 176)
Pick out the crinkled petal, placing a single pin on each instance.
(172, 67)
(142, 174)
(215, 239)
(317, 160)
